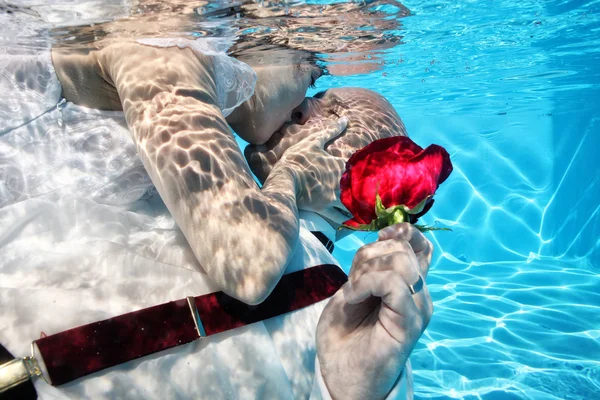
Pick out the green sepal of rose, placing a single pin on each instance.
(395, 215)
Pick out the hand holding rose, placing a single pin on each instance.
(368, 330)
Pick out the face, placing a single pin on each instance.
(279, 90)
(371, 117)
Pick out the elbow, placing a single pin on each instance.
(253, 292)
(247, 260)
(252, 281)
(253, 287)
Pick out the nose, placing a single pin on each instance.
(301, 114)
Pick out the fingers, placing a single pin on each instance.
(403, 263)
(260, 161)
(392, 286)
(397, 257)
(422, 247)
(283, 140)
(332, 130)
(374, 251)
(404, 315)
(262, 158)
(388, 285)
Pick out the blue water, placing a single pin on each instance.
(512, 90)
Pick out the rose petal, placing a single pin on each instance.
(438, 160)
(363, 188)
(408, 182)
(398, 144)
(396, 168)
(405, 148)
(347, 197)
(447, 167)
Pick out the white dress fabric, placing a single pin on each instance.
(234, 79)
(28, 84)
(84, 237)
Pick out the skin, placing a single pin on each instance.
(273, 101)
(168, 96)
(371, 117)
(369, 328)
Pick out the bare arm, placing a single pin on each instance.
(243, 236)
(83, 82)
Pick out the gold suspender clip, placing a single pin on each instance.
(18, 371)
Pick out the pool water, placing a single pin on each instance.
(511, 89)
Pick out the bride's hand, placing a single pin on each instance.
(317, 173)
(369, 328)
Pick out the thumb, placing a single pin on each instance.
(332, 130)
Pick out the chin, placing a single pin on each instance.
(257, 138)
(268, 130)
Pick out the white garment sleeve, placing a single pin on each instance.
(402, 390)
(234, 80)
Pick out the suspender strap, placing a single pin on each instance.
(77, 352)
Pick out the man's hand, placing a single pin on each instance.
(369, 328)
(317, 172)
(302, 148)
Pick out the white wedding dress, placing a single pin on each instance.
(84, 237)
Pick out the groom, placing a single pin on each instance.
(367, 326)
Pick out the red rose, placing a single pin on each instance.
(392, 180)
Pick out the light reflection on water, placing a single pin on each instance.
(510, 89)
